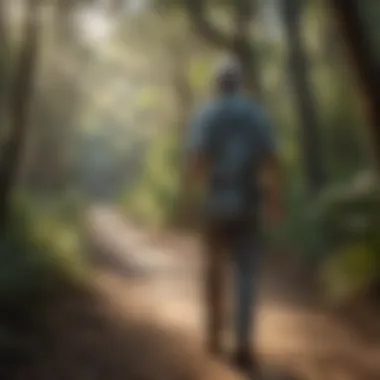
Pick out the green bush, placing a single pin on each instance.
(351, 218)
(352, 211)
(153, 197)
(39, 253)
(301, 231)
(338, 232)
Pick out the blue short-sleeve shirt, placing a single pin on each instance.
(234, 134)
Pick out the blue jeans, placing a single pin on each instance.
(237, 243)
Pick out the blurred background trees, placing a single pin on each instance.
(95, 98)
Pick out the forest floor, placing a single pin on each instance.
(141, 319)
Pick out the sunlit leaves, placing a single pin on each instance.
(199, 74)
(154, 195)
(348, 272)
(147, 97)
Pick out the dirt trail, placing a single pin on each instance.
(162, 275)
(140, 318)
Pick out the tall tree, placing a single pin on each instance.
(20, 99)
(4, 63)
(310, 139)
(352, 25)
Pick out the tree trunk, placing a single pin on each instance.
(368, 71)
(4, 65)
(310, 139)
(21, 94)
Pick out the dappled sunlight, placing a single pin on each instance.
(103, 231)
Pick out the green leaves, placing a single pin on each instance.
(199, 74)
(37, 248)
(152, 199)
(352, 219)
(147, 98)
(348, 272)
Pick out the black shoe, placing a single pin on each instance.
(246, 362)
(215, 350)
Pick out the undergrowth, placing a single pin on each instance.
(41, 258)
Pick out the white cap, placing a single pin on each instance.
(229, 68)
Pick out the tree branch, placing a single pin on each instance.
(197, 13)
(244, 10)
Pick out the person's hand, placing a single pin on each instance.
(274, 213)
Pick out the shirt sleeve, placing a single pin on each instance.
(196, 139)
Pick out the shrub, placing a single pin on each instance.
(152, 198)
(39, 254)
(352, 226)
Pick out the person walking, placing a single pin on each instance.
(229, 146)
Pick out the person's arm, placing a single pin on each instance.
(271, 170)
(273, 182)
(195, 165)
(194, 168)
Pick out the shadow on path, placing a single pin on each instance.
(84, 337)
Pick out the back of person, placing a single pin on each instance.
(235, 141)
(229, 142)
